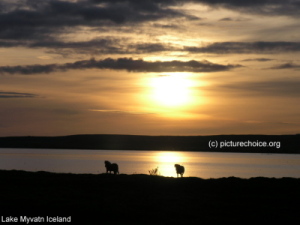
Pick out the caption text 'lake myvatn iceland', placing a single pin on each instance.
(149, 112)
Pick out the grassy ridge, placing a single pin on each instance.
(144, 199)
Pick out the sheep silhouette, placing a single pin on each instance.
(111, 167)
(179, 169)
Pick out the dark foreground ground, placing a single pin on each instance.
(144, 199)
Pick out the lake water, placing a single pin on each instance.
(197, 164)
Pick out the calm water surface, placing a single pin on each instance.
(197, 164)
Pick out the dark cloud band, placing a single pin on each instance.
(128, 64)
(286, 66)
(246, 47)
(31, 19)
(4, 94)
(289, 8)
(110, 45)
(287, 88)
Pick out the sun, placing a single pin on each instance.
(171, 90)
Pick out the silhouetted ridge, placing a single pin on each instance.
(144, 199)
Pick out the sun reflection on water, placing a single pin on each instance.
(166, 157)
(166, 161)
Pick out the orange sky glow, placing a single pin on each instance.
(149, 67)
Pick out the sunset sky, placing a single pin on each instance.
(160, 67)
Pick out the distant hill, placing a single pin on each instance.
(250, 143)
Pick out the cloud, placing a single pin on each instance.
(226, 19)
(112, 45)
(149, 47)
(286, 88)
(286, 66)
(167, 26)
(33, 19)
(257, 60)
(36, 20)
(4, 94)
(128, 64)
(229, 19)
(42, 24)
(246, 47)
(48, 23)
(121, 111)
(263, 7)
(105, 45)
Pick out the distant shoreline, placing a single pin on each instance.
(213, 143)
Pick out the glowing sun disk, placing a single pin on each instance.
(171, 90)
